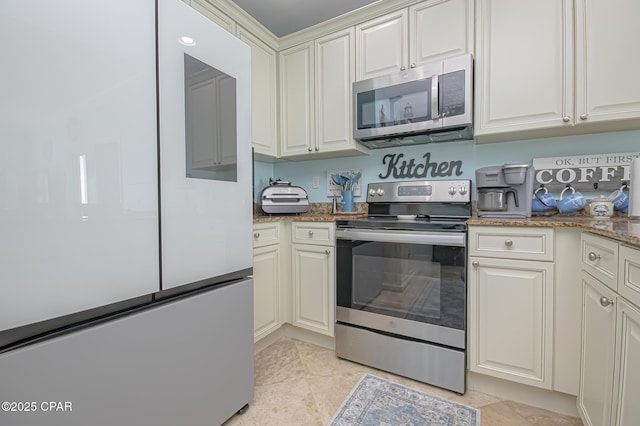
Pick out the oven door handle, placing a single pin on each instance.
(457, 239)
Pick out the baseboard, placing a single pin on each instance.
(549, 400)
(293, 332)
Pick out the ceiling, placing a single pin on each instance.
(283, 17)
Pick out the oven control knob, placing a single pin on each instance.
(380, 192)
(372, 192)
(452, 190)
(462, 190)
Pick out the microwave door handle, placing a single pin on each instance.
(435, 102)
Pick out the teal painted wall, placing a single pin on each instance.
(473, 156)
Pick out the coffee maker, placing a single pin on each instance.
(505, 191)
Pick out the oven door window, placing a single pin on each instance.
(417, 282)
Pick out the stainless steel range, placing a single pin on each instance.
(401, 287)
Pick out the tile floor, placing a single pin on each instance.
(297, 383)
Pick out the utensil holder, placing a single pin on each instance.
(347, 201)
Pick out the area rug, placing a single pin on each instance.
(375, 401)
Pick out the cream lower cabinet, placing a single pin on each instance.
(610, 353)
(313, 268)
(511, 304)
(595, 395)
(266, 279)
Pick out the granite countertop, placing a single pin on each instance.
(318, 212)
(618, 227)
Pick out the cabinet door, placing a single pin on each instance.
(511, 320)
(440, 29)
(627, 372)
(297, 100)
(523, 66)
(264, 121)
(597, 361)
(606, 63)
(266, 290)
(335, 71)
(313, 287)
(381, 45)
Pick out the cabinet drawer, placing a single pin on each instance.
(265, 234)
(600, 258)
(629, 273)
(321, 233)
(511, 242)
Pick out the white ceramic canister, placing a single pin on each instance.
(601, 207)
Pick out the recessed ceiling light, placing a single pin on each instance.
(187, 41)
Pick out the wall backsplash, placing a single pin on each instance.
(458, 159)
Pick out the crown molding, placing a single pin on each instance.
(341, 22)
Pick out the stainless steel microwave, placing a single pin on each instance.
(429, 103)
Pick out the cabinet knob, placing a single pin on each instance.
(402, 68)
(317, 149)
(508, 243)
(475, 263)
(604, 301)
(311, 233)
(327, 251)
(256, 235)
(593, 257)
(566, 119)
(413, 65)
(310, 149)
(584, 116)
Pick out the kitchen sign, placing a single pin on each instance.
(399, 168)
(585, 173)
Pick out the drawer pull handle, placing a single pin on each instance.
(508, 243)
(327, 251)
(605, 301)
(311, 233)
(256, 235)
(475, 263)
(593, 257)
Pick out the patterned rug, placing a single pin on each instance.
(375, 401)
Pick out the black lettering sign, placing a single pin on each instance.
(402, 169)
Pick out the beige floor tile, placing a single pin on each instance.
(297, 383)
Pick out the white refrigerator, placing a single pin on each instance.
(125, 214)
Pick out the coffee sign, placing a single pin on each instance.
(584, 173)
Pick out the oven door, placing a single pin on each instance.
(406, 283)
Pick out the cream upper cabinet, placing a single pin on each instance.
(531, 79)
(315, 98)
(382, 45)
(607, 61)
(426, 32)
(523, 65)
(440, 29)
(264, 121)
(335, 72)
(297, 100)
